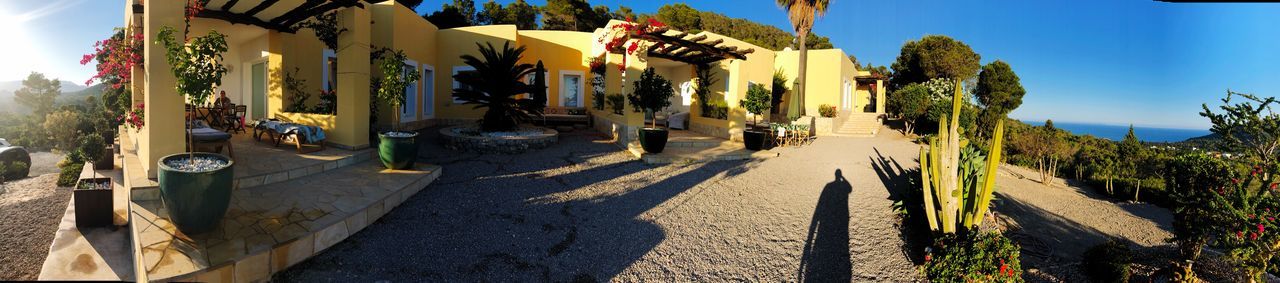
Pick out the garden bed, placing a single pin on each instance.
(470, 138)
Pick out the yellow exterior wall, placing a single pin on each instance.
(824, 83)
(455, 42)
(559, 51)
(164, 130)
(399, 28)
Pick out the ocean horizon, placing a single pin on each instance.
(1117, 133)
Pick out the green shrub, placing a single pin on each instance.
(70, 174)
(617, 103)
(13, 171)
(717, 109)
(1107, 262)
(978, 257)
(827, 111)
(63, 127)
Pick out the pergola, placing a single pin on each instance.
(693, 49)
(277, 15)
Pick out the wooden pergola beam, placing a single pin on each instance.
(242, 19)
(230, 3)
(260, 7)
(299, 12)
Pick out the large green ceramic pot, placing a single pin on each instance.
(196, 200)
(653, 140)
(398, 152)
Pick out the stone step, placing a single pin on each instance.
(271, 227)
(266, 178)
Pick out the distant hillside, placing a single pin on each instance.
(70, 90)
(1210, 141)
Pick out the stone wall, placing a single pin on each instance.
(507, 145)
(621, 133)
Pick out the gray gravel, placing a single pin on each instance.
(584, 211)
(31, 210)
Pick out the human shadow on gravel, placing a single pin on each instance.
(826, 249)
(902, 186)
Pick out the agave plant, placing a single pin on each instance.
(495, 83)
(958, 180)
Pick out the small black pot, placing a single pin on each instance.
(653, 140)
(106, 161)
(754, 140)
(94, 208)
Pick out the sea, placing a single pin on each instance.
(1116, 133)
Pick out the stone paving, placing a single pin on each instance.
(284, 223)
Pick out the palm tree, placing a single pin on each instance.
(497, 79)
(802, 13)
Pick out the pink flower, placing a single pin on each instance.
(1261, 228)
(1253, 236)
(1239, 234)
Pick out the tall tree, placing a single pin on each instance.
(575, 15)
(460, 13)
(37, 94)
(1253, 129)
(1130, 153)
(518, 13)
(681, 17)
(931, 57)
(910, 104)
(802, 14)
(999, 91)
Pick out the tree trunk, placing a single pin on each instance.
(800, 75)
(1040, 169)
(1137, 190)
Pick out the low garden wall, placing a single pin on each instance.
(452, 139)
(612, 124)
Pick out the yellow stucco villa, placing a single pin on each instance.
(263, 49)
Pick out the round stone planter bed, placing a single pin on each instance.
(469, 138)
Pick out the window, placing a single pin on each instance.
(329, 78)
(409, 111)
(846, 101)
(456, 84)
(571, 85)
(428, 91)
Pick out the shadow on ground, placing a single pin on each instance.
(826, 248)
(569, 212)
(902, 186)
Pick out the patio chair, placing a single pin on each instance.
(235, 118)
(280, 130)
(202, 136)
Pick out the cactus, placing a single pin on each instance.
(958, 180)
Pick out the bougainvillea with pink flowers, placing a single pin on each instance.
(115, 56)
(617, 38)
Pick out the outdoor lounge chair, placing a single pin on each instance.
(204, 137)
(281, 130)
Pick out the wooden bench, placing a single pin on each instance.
(566, 115)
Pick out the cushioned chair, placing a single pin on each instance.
(204, 137)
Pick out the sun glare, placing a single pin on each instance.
(19, 55)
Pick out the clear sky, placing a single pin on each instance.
(1094, 61)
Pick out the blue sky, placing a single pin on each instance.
(1111, 62)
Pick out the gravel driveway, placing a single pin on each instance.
(584, 211)
(31, 209)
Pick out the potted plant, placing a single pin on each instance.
(93, 200)
(94, 149)
(397, 149)
(757, 102)
(195, 187)
(652, 93)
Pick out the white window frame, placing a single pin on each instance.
(582, 84)
(411, 97)
(847, 95)
(456, 84)
(428, 91)
(324, 73)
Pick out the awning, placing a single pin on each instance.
(688, 48)
(278, 15)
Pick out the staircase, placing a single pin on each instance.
(859, 125)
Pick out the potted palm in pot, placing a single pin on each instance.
(195, 187)
(652, 93)
(757, 102)
(396, 149)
